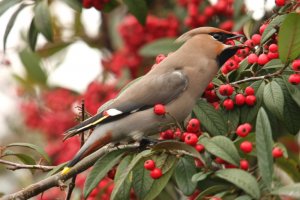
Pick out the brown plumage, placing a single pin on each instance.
(177, 82)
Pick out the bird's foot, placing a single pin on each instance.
(147, 142)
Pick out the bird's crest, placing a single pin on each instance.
(202, 30)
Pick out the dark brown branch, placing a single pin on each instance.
(72, 183)
(57, 179)
(16, 166)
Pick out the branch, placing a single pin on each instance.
(57, 179)
(277, 73)
(16, 166)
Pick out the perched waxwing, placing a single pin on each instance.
(176, 82)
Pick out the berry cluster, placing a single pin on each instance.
(97, 4)
(155, 172)
(129, 29)
(199, 17)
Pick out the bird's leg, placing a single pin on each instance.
(146, 142)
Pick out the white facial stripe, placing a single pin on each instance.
(113, 112)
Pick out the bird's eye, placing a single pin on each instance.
(217, 36)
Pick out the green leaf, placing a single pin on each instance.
(222, 147)
(212, 190)
(42, 20)
(243, 197)
(74, 4)
(200, 176)
(237, 5)
(292, 190)
(6, 4)
(271, 28)
(264, 146)
(291, 110)
(274, 64)
(100, 169)
(32, 35)
(248, 26)
(112, 4)
(175, 145)
(183, 175)
(164, 46)
(11, 23)
(26, 159)
(248, 114)
(243, 66)
(289, 166)
(211, 119)
(31, 63)
(288, 38)
(34, 147)
(241, 179)
(52, 48)
(124, 191)
(120, 180)
(294, 90)
(274, 99)
(138, 8)
(232, 118)
(144, 186)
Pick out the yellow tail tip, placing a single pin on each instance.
(65, 170)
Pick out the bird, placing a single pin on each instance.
(177, 82)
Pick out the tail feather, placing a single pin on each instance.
(85, 125)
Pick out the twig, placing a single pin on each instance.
(277, 73)
(55, 180)
(16, 166)
(72, 183)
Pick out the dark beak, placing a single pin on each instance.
(236, 36)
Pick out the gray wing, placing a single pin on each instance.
(140, 95)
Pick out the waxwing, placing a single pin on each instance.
(176, 82)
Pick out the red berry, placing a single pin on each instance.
(111, 174)
(231, 64)
(250, 44)
(220, 160)
(149, 165)
(210, 86)
(215, 198)
(246, 146)
(159, 109)
(280, 3)
(229, 165)
(228, 104)
(198, 163)
(256, 39)
(296, 65)
(294, 79)
(273, 48)
(156, 173)
(252, 58)
(242, 131)
(248, 127)
(262, 28)
(167, 135)
(159, 58)
(194, 123)
(226, 90)
(199, 147)
(249, 91)
(209, 11)
(250, 100)
(272, 55)
(262, 59)
(277, 152)
(239, 99)
(87, 3)
(183, 136)
(244, 164)
(191, 139)
(225, 69)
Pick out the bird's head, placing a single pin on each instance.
(212, 42)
